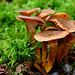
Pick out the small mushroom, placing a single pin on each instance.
(27, 12)
(44, 45)
(52, 37)
(62, 20)
(59, 15)
(44, 13)
(31, 22)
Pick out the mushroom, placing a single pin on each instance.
(27, 12)
(31, 22)
(30, 26)
(49, 34)
(43, 15)
(62, 22)
(44, 45)
(52, 37)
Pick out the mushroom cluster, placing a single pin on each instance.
(58, 37)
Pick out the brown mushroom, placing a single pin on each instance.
(59, 15)
(44, 45)
(31, 22)
(43, 15)
(52, 37)
(62, 22)
(27, 12)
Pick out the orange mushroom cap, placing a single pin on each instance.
(62, 20)
(45, 13)
(33, 18)
(50, 35)
(27, 12)
(59, 15)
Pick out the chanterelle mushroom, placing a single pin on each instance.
(31, 22)
(59, 41)
(44, 13)
(62, 20)
(27, 12)
(52, 37)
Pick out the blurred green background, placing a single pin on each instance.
(12, 30)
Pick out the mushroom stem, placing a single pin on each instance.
(44, 52)
(30, 25)
(70, 41)
(38, 60)
(50, 36)
(31, 22)
(52, 55)
(61, 45)
(43, 15)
